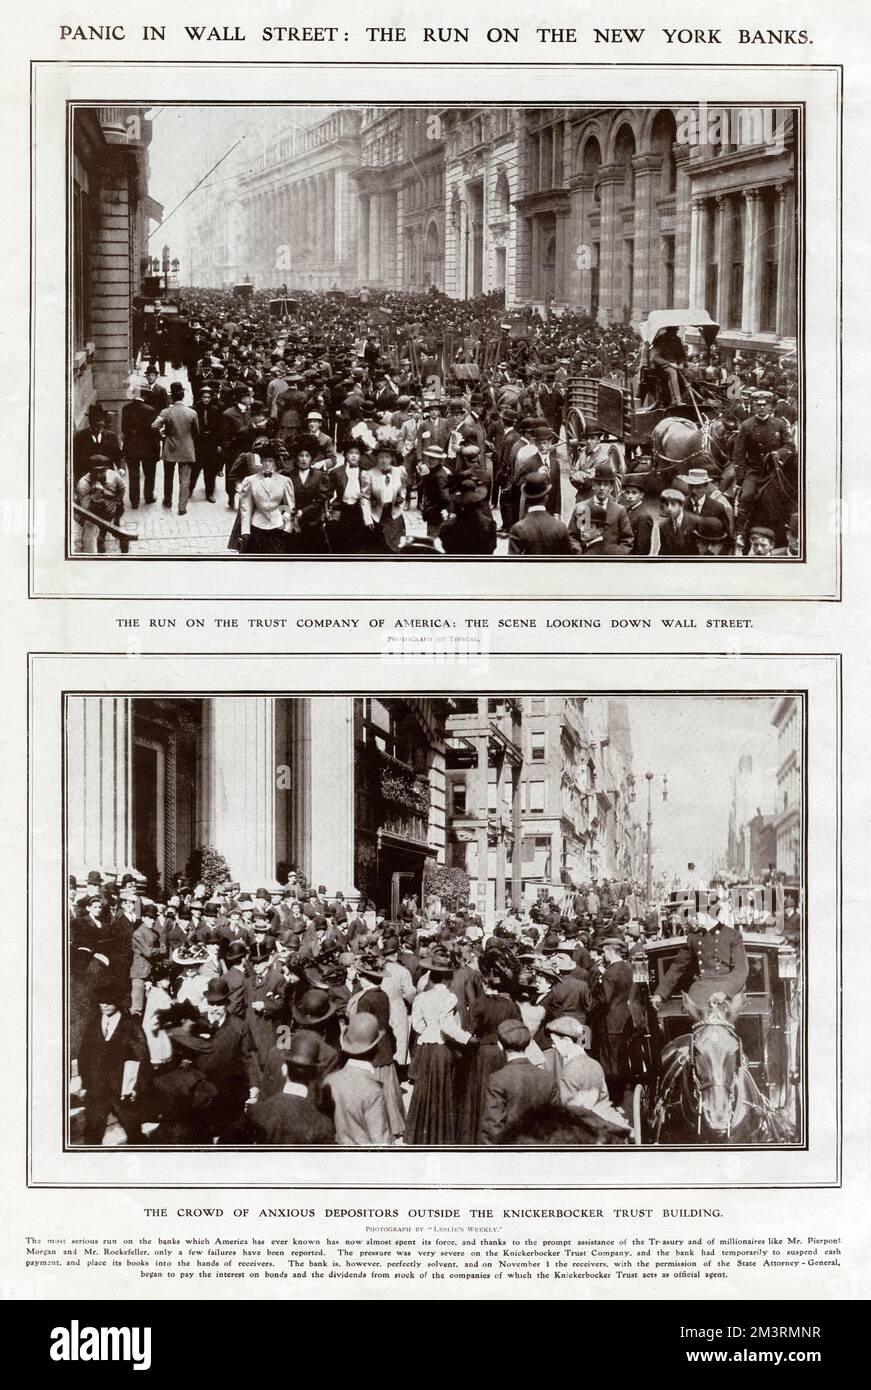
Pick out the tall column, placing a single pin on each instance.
(363, 241)
(682, 227)
(701, 265)
(785, 326)
(374, 275)
(99, 772)
(340, 230)
(330, 249)
(751, 306)
(724, 260)
(322, 779)
(611, 178)
(648, 179)
(695, 251)
(240, 777)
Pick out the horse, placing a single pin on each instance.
(705, 1089)
(678, 444)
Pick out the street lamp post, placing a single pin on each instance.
(649, 779)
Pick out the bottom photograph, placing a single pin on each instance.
(435, 920)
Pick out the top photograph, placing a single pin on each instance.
(435, 332)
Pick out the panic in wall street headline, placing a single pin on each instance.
(437, 36)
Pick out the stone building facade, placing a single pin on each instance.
(298, 206)
(788, 721)
(481, 178)
(624, 211)
(110, 211)
(319, 783)
(401, 191)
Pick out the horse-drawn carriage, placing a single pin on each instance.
(726, 1073)
(631, 414)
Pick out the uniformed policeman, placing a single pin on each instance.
(713, 959)
(761, 438)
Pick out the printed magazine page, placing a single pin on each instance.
(411, 895)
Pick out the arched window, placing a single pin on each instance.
(624, 151)
(588, 157)
(662, 138)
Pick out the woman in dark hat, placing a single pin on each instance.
(311, 491)
(372, 999)
(382, 495)
(499, 983)
(471, 530)
(345, 530)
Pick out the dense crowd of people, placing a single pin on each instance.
(329, 417)
(288, 1016)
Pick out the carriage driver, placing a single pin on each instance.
(668, 356)
(761, 438)
(712, 960)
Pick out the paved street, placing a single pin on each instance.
(205, 528)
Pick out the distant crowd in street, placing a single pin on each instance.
(329, 421)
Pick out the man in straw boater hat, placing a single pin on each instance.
(356, 1095)
(539, 533)
(290, 1116)
(705, 499)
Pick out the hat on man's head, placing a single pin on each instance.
(217, 991)
(712, 528)
(536, 486)
(303, 1056)
(763, 531)
(237, 950)
(604, 471)
(697, 477)
(261, 951)
(362, 1035)
(672, 494)
(513, 1035)
(635, 480)
(566, 1027)
(315, 1006)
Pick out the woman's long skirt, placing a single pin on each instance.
(480, 1064)
(432, 1115)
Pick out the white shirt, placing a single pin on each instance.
(110, 1023)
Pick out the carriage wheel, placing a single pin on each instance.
(576, 428)
(638, 1114)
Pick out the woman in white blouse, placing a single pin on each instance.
(266, 506)
(432, 1116)
(345, 529)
